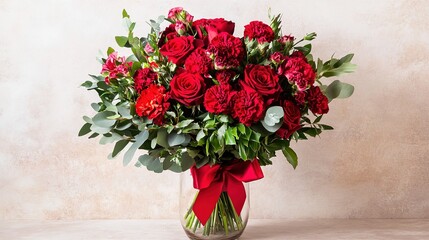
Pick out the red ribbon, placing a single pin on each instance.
(213, 180)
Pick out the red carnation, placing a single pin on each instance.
(153, 103)
(217, 99)
(263, 80)
(317, 101)
(291, 120)
(260, 31)
(198, 62)
(298, 72)
(143, 78)
(188, 88)
(177, 49)
(225, 76)
(227, 51)
(248, 107)
(300, 97)
(115, 66)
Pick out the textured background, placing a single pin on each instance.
(374, 165)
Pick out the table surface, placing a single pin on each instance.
(290, 229)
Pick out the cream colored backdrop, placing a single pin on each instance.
(374, 165)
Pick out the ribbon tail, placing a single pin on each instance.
(206, 201)
(236, 193)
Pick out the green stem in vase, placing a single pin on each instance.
(223, 218)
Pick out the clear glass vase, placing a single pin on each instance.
(224, 222)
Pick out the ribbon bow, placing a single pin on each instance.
(213, 180)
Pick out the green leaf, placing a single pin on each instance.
(119, 146)
(93, 135)
(155, 166)
(291, 156)
(242, 128)
(87, 84)
(175, 139)
(95, 106)
(101, 119)
(110, 51)
(221, 132)
(186, 161)
(139, 140)
(242, 152)
(161, 138)
(273, 115)
(346, 90)
(110, 138)
(124, 112)
(122, 125)
(229, 137)
(99, 130)
(184, 123)
(86, 128)
(125, 14)
(272, 129)
(121, 40)
(326, 127)
(338, 89)
(200, 135)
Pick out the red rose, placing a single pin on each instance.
(298, 72)
(317, 101)
(188, 88)
(143, 78)
(260, 31)
(217, 99)
(198, 62)
(153, 103)
(248, 107)
(263, 80)
(225, 76)
(177, 49)
(207, 29)
(168, 34)
(227, 51)
(291, 120)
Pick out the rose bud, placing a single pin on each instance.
(180, 28)
(310, 36)
(148, 49)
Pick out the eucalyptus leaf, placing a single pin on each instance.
(139, 140)
(86, 128)
(124, 112)
(272, 129)
(273, 115)
(99, 130)
(161, 138)
(186, 161)
(338, 89)
(119, 146)
(101, 119)
(175, 139)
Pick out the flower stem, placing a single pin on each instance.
(224, 218)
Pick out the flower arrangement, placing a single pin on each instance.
(195, 96)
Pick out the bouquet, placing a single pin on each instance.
(194, 96)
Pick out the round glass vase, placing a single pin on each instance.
(224, 223)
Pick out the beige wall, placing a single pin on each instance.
(374, 165)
